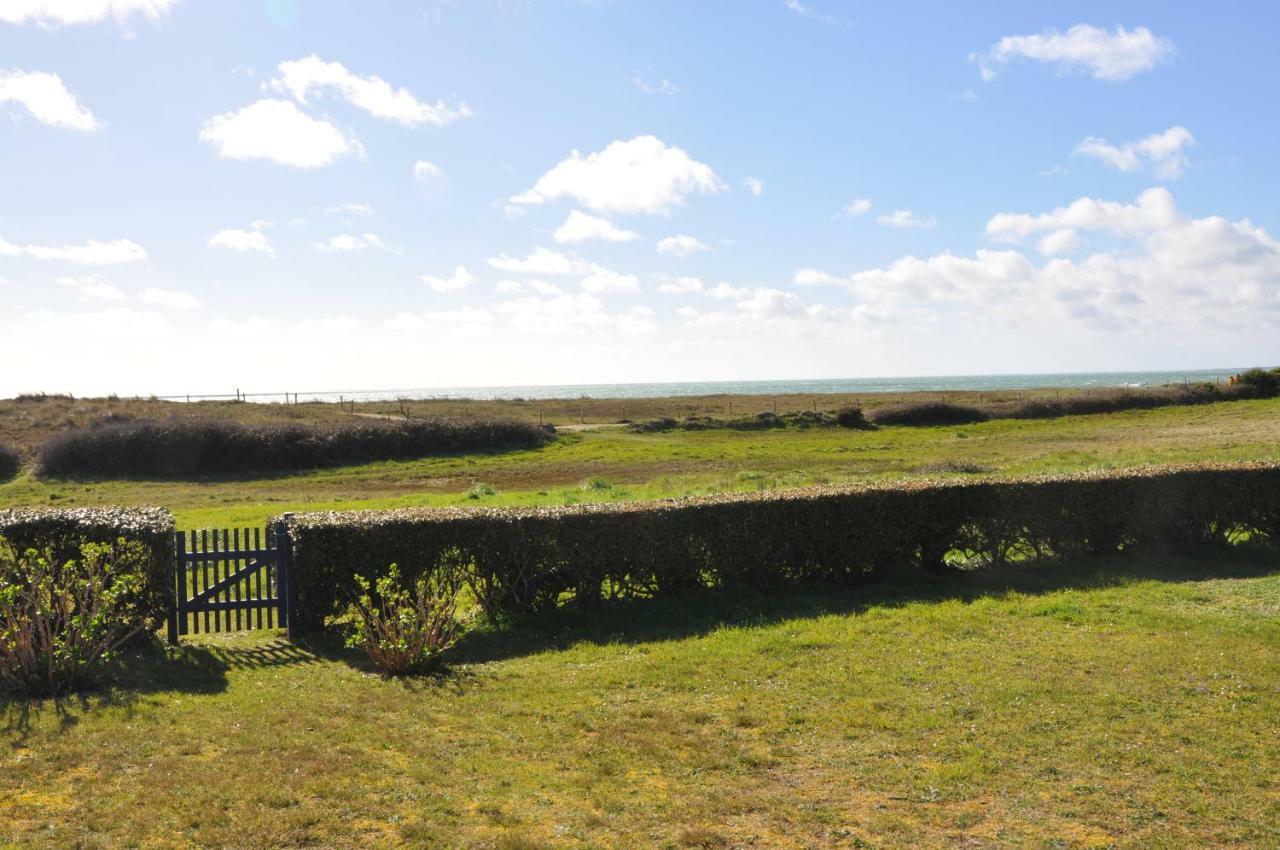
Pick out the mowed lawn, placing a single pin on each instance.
(1103, 704)
(613, 464)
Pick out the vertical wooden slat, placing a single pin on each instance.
(211, 546)
(257, 585)
(233, 592)
(204, 569)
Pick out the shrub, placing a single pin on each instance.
(10, 462)
(524, 559)
(63, 534)
(929, 413)
(60, 620)
(404, 628)
(851, 417)
(178, 447)
(1265, 383)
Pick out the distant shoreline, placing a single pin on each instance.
(703, 389)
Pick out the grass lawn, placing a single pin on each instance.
(1118, 704)
(615, 464)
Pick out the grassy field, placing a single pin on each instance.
(610, 463)
(1123, 704)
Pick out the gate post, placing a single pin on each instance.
(176, 584)
(289, 590)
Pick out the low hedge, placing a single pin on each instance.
(523, 559)
(62, 533)
(929, 413)
(846, 417)
(177, 447)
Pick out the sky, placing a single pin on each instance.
(199, 196)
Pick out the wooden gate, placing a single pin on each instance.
(230, 580)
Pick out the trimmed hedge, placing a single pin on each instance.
(61, 533)
(929, 413)
(10, 462)
(521, 560)
(177, 447)
(845, 417)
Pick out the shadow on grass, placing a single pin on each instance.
(650, 620)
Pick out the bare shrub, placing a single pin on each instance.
(404, 627)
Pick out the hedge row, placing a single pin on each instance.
(521, 560)
(207, 446)
(62, 533)
(846, 417)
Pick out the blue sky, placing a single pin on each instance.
(196, 196)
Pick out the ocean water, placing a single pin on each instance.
(1075, 380)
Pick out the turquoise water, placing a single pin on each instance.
(1073, 380)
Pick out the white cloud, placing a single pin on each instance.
(541, 287)
(754, 185)
(1162, 152)
(91, 288)
(253, 239)
(169, 298)
(680, 285)
(905, 219)
(541, 261)
(373, 94)
(807, 11)
(460, 279)
(1060, 241)
(1160, 270)
(663, 86)
(46, 97)
(726, 292)
(350, 209)
(346, 243)
(465, 321)
(593, 277)
(276, 130)
(508, 287)
(64, 12)
(642, 175)
(809, 276)
(1114, 56)
(1154, 210)
(91, 253)
(603, 280)
(858, 206)
(681, 245)
(578, 313)
(424, 171)
(580, 227)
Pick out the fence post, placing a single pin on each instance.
(177, 587)
(289, 588)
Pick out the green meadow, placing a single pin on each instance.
(606, 462)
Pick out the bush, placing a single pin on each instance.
(64, 535)
(1265, 383)
(851, 417)
(403, 629)
(60, 620)
(10, 462)
(178, 447)
(524, 559)
(929, 413)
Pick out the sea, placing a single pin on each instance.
(938, 383)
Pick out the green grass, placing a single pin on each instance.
(1120, 704)
(687, 463)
